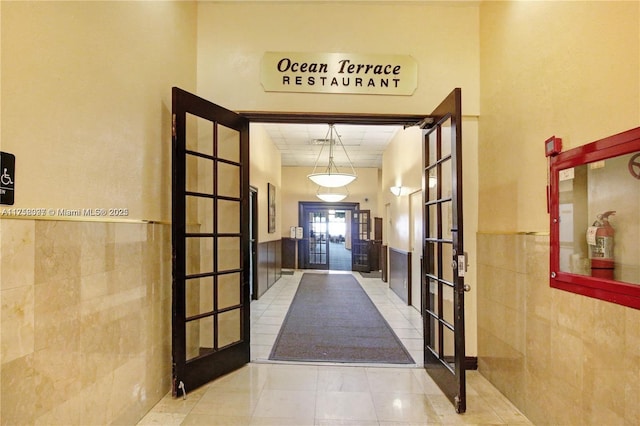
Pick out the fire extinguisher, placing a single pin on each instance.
(600, 238)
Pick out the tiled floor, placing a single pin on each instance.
(266, 393)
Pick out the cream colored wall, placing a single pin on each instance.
(86, 109)
(441, 36)
(297, 187)
(570, 69)
(265, 167)
(89, 120)
(401, 166)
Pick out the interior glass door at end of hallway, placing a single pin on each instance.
(443, 252)
(210, 242)
(327, 236)
(361, 240)
(317, 239)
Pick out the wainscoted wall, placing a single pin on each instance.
(400, 273)
(86, 321)
(561, 358)
(289, 253)
(269, 265)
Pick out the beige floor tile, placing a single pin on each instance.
(445, 410)
(400, 323)
(282, 394)
(292, 377)
(507, 412)
(251, 377)
(412, 344)
(345, 406)
(178, 406)
(343, 379)
(337, 422)
(394, 380)
(281, 421)
(270, 320)
(162, 419)
(228, 402)
(263, 339)
(265, 329)
(404, 407)
(293, 404)
(260, 352)
(409, 333)
(214, 419)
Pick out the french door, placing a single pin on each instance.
(210, 241)
(317, 239)
(443, 248)
(361, 240)
(316, 218)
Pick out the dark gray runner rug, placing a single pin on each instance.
(332, 319)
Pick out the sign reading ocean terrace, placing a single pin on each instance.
(339, 73)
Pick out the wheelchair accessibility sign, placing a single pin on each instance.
(7, 177)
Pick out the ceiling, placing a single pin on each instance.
(364, 144)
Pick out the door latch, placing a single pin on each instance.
(462, 264)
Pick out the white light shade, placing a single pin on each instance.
(332, 195)
(331, 198)
(396, 190)
(332, 177)
(332, 180)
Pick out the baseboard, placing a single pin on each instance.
(471, 363)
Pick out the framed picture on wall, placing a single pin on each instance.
(272, 207)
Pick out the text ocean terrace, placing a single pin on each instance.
(339, 73)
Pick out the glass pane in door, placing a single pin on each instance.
(318, 238)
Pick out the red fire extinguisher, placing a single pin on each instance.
(600, 238)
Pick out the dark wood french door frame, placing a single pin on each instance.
(361, 240)
(237, 354)
(253, 241)
(444, 257)
(308, 257)
(210, 241)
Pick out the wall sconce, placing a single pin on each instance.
(396, 190)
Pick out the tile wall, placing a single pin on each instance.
(561, 358)
(86, 321)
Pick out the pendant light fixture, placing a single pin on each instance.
(332, 177)
(332, 195)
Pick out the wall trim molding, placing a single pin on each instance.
(538, 233)
(399, 273)
(471, 363)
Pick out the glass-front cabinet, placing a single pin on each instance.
(595, 219)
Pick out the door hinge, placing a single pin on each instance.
(173, 126)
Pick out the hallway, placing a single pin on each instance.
(269, 393)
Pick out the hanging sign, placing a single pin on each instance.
(339, 73)
(7, 178)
